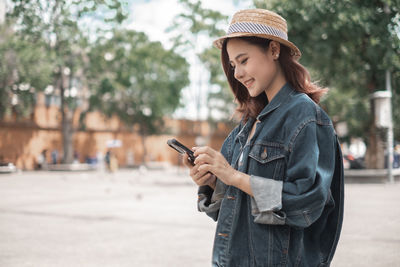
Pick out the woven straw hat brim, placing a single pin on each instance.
(295, 51)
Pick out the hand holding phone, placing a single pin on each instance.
(181, 149)
(205, 181)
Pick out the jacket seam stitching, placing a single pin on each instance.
(302, 212)
(297, 132)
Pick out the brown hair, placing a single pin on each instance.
(296, 75)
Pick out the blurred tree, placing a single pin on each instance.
(195, 25)
(220, 100)
(348, 45)
(56, 23)
(18, 80)
(136, 79)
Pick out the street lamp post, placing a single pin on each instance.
(390, 129)
(383, 119)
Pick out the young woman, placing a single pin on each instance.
(276, 187)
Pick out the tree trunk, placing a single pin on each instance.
(67, 135)
(66, 125)
(143, 137)
(375, 155)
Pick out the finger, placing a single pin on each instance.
(194, 170)
(204, 150)
(210, 180)
(187, 163)
(203, 158)
(204, 168)
(204, 179)
(199, 174)
(191, 158)
(195, 173)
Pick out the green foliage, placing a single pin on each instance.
(396, 104)
(348, 106)
(24, 69)
(126, 75)
(55, 24)
(136, 79)
(348, 45)
(42, 41)
(39, 18)
(194, 24)
(222, 99)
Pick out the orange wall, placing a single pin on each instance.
(22, 141)
(22, 145)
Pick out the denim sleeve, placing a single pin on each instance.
(311, 166)
(300, 198)
(209, 201)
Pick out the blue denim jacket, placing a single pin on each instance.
(296, 176)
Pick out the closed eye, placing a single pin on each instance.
(244, 61)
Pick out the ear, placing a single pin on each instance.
(275, 49)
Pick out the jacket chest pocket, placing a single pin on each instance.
(267, 161)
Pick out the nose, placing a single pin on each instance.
(239, 73)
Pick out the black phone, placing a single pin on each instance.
(181, 149)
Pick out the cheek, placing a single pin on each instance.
(266, 72)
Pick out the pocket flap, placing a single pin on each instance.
(266, 153)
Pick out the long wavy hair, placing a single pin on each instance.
(296, 75)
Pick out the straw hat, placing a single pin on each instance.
(260, 23)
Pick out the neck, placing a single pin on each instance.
(277, 83)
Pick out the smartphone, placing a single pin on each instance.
(181, 149)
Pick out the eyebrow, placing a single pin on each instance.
(238, 56)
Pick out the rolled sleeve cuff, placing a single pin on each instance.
(210, 200)
(204, 206)
(266, 200)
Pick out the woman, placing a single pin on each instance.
(276, 188)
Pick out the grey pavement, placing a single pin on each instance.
(149, 218)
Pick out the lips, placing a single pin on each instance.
(249, 82)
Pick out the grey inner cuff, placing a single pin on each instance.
(219, 191)
(210, 208)
(270, 217)
(216, 198)
(267, 194)
(267, 200)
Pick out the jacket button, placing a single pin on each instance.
(264, 155)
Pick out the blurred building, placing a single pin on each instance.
(23, 142)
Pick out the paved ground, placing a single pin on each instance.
(139, 218)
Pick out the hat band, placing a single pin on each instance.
(256, 28)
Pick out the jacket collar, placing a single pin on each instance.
(281, 97)
(278, 99)
(245, 130)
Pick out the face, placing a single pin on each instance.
(257, 69)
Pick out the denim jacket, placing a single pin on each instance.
(296, 176)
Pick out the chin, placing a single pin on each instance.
(254, 93)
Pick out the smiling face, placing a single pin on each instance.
(255, 67)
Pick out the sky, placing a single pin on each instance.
(164, 11)
(154, 16)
